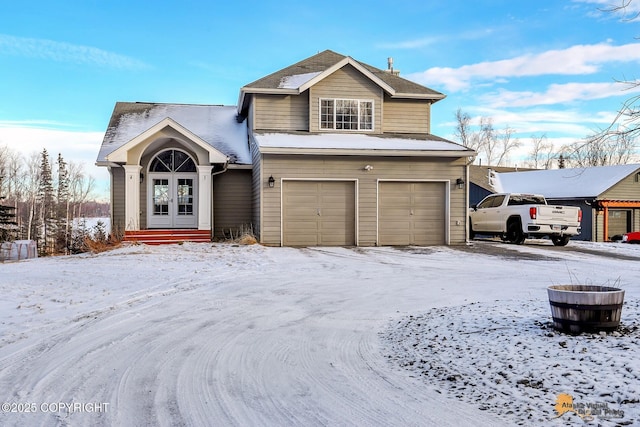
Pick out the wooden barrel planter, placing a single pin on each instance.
(585, 308)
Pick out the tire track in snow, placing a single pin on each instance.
(257, 349)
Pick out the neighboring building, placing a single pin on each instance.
(480, 185)
(328, 151)
(609, 196)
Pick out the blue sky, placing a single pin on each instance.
(539, 67)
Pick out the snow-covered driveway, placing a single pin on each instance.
(201, 334)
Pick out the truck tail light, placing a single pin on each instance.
(579, 215)
(533, 213)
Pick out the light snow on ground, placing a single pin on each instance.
(220, 334)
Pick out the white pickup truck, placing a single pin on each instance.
(514, 217)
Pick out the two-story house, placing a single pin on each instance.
(328, 151)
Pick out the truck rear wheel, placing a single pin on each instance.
(514, 232)
(560, 240)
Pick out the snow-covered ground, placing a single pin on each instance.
(220, 334)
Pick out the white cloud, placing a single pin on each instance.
(575, 60)
(557, 94)
(65, 52)
(571, 124)
(409, 44)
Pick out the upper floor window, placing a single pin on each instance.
(346, 114)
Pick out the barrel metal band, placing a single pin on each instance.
(585, 306)
(584, 324)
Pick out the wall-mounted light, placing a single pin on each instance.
(272, 181)
(141, 177)
(368, 168)
(460, 182)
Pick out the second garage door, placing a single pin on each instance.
(317, 213)
(411, 213)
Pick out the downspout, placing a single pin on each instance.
(213, 224)
(466, 200)
(224, 168)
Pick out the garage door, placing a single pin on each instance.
(411, 213)
(317, 213)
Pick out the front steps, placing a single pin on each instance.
(166, 236)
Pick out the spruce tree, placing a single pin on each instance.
(62, 207)
(7, 218)
(46, 206)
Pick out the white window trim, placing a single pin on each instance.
(359, 101)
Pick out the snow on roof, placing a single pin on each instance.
(565, 183)
(355, 141)
(215, 124)
(296, 80)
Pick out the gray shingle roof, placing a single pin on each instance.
(325, 60)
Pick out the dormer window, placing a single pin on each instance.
(346, 114)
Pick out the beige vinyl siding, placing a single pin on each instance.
(345, 83)
(599, 225)
(627, 189)
(348, 168)
(117, 200)
(406, 115)
(281, 112)
(256, 189)
(232, 194)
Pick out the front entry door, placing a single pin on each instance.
(172, 201)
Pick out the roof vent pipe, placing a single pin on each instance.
(390, 69)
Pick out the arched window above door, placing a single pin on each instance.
(172, 161)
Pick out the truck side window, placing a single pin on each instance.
(515, 200)
(486, 203)
(497, 201)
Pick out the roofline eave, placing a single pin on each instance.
(366, 152)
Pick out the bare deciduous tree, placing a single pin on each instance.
(80, 187)
(492, 144)
(619, 138)
(541, 155)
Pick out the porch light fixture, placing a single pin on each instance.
(368, 168)
(460, 183)
(272, 181)
(141, 177)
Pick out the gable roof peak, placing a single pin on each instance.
(297, 78)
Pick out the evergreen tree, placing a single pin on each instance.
(7, 218)
(62, 207)
(46, 206)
